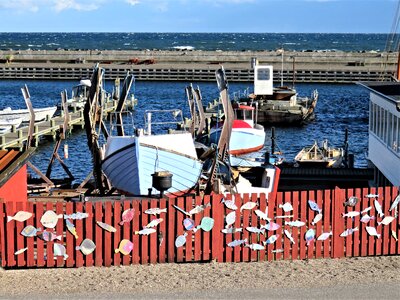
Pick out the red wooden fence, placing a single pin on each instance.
(159, 247)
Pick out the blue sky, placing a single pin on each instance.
(297, 16)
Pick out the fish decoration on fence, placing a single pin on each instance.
(296, 223)
(106, 226)
(372, 231)
(87, 246)
(386, 220)
(49, 236)
(199, 208)
(314, 206)
(366, 218)
(182, 210)
(229, 204)
(255, 247)
(236, 243)
(352, 201)
(155, 211)
(181, 240)
(30, 231)
(289, 236)
(366, 210)
(378, 208)
(77, 216)
(188, 224)
(154, 222)
(316, 219)
(286, 207)
(255, 230)
(372, 196)
(125, 247)
(262, 215)
(394, 235)
(230, 219)
(20, 251)
(145, 231)
(206, 224)
(272, 239)
(324, 236)
(127, 216)
(309, 236)
(71, 228)
(351, 214)
(248, 205)
(20, 216)
(231, 230)
(271, 226)
(59, 250)
(277, 251)
(50, 219)
(284, 217)
(348, 231)
(395, 202)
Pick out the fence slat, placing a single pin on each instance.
(246, 252)
(217, 210)
(318, 227)
(144, 239)
(10, 232)
(108, 216)
(263, 208)
(238, 224)
(50, 244)
(116, 236)
(60, 262)
(294, 230)
(197, 236)
(280, 221)
(161, 235)
(171, 233)
(337, 224)
(394, 246)
(327, 222)
(40, 262)
(303, 217)
(179, 228)
(21, 206)
(3, 238)
(228, 255)
(189, 239)
(128, 232)
(153, 248)
(89, 223)
(99, 234)
(206, 235)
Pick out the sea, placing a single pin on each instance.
(340, 106)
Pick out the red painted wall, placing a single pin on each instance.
(16, 188)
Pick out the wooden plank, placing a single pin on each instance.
(129, 229)
(294, 230)
(357, 223)
(162, 249)
(69, 238)
(268, 234)
(10, 231)
(228, 255)
(153, 249)
(338, 224)
(262, 207)
(30, 242)
(3, 237)
(171, 233)
(363, 233)
(349, 240)
(188, 205)
(90, 223)
(384, 229)
(304, 218)
(116, 236)
(179, 228)
(394, 225)
(378, 242)
(278, 246)
(50, 245)
(254, 223)
(20, 239)
(238, 224)
(206, 236)
(144, 239)
(60, 262)
(327, 221)
(318, 227)
(246, 214)
(80, 233)
(107, 242)
(197, 236)
(98, 213)
(217, 213)
(40, 244)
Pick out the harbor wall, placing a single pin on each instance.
(310, 66)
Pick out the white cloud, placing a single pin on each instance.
(132, 2)
(60, 5)
(21, 5)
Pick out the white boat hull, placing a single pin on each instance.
(40, 114)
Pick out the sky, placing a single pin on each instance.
(281, 16)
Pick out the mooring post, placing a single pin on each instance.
(272, 140)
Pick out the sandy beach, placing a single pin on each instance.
(346, 278)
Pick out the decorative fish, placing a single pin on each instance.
(316, 219)
(378, 208)
(188, 224)
(20, 251)
(262, 215)
(255, 230)
(125, 247)
(146, 231)
(231, 230)
(106, 226)
(372, 196)
(272, 239)
(366, 210)
(248, 205)
(59, 250)
(366, 218)
(372, 231)
(351, 214)
(49, 236)
(236, 243)
(324, 236)
(314, 206)
(289, 236)
(271, 226)
(199, 208)
(230, 219)
(348, 231)
(77, 216)
(386, 220)
(127, 216)
(277, 251)
(87, 246)
(50, 219)
(180, 240)
(229, 204)
(154, 223)
(30, 231)
(155, 211)
(206, 224)
(284, 217)
(309, 236)
(296, 223)
(286, 207)
(71, 228)
(20, 216)
(394, 235)
(255, 247)
(352, 201)
(160, 238)
(395, 202)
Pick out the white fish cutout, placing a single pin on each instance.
(352, 201)
(314, 206)
(309, 236)
(229, 204)
(378, 208)
(395, 202)
(20, 216)
(182, 210)
(386, 220)
(366, 210)
(284, 217)
(199, 208)
(30, 231)
(394, 235)
(145, 231)
(248, 205)
(262, 215)
(324, 236)
(50, 219)
(286, 207)
(289, 236)
(271, 226)
(20, 251)
(87, 246)
(296, 223)
(206, 224)
(372, 196)
(77, 216)
(316, 219)
(272, 239)
(366, 218)
(155, 211)
(106, 226)
(231, 230)
(59, 250)
(154, 223)
(255, 247)
(71, 228)
(277, 251)
(180, 240)
(372, 231)
(230, 219)
(351, 214)
(255, 230)
(236, 243)
(348, 231)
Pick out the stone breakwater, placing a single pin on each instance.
(185, 65)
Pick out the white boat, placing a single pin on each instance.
(324, 157)
(6, 124)
(40, 113)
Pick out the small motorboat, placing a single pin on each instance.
(322, 157)
(41, 114)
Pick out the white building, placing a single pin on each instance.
(384, 131)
